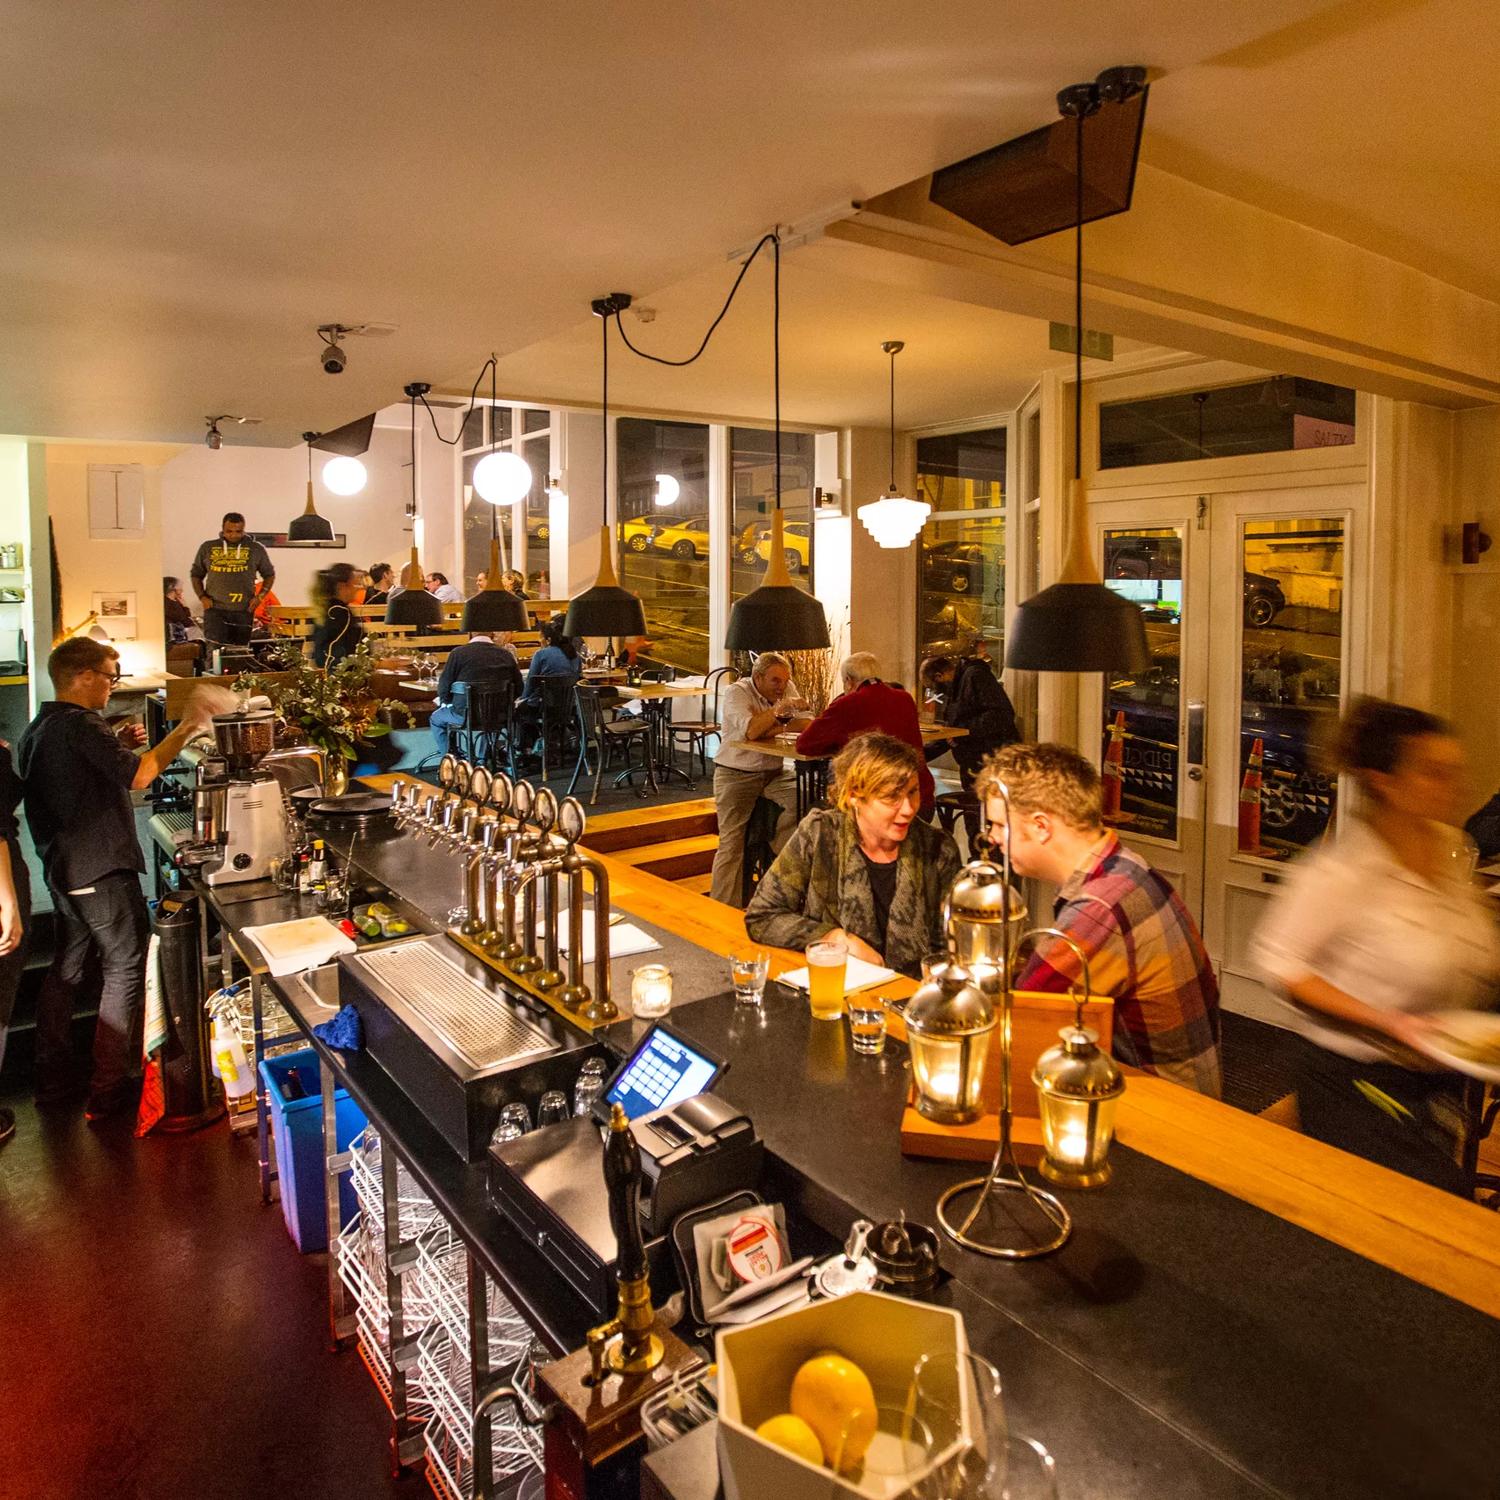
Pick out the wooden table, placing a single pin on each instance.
(656, 700)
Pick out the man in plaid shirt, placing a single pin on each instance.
(1142, 945)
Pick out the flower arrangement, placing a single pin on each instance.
(333, 708)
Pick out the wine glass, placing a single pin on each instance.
(889, 1449)
(946, 1385)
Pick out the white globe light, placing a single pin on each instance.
(893, 520)
(344, 476)
(502, 478)
(667, 490)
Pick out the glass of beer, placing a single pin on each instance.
(826, 963)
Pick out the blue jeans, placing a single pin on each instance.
(445, 717)
(113, 919)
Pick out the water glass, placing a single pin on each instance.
(748, 971)
(867, 1024)
(553, 1109)
(886, 1451)
(515, 1120)
(942, 1386)
(589, 1088)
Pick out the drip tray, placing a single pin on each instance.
(457, 1041)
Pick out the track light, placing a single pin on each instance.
(213, 438)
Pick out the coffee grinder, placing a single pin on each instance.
(238, 823)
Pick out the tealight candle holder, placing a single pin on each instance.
(651, 991)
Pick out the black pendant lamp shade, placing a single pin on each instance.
(778, 616)
(1078, 625)
(309, 526)
(496, 609)
(606, 609)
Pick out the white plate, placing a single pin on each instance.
(1469, 1025)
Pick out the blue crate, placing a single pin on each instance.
(297, 1125)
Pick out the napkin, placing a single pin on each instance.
(859, 975)
(625, 938)
(305, 943)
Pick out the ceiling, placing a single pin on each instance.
(187, 194)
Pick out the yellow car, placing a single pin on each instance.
(686, 538)
(798, 539)
(636, 533)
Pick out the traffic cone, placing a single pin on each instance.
(1250, 800)
(1112, 772)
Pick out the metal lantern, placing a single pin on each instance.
(975, 921)
(1077, 1088)
(949, 1023)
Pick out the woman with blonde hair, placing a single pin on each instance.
(866, 869)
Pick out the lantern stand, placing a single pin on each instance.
(1005, 1175)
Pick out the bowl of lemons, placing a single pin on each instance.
(816, 1402)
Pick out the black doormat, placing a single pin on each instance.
(1259, 1062)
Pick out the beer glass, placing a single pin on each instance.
(827, 962)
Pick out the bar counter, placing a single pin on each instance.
(1240, 1311)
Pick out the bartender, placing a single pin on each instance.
(78, 775)
(229, 575)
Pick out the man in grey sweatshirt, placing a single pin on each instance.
(224, 577)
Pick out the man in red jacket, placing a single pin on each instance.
(868, 704)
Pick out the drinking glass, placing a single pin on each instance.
(867, 1024)
(827, 963)
(942, 1386)
(1031, 1473)
(515, 1120)
(892, 1459)
(935, 962)
(553, 1109)
(748, 972)
(589, 1088)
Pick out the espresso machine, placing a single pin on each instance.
(239, 825)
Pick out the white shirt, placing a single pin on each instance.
(1354, 916)
(448, 594)
(740, 703)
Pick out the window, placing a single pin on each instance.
(664, 534)
(961, 555)
(752, 462)
(524, 529)
(1276, 415)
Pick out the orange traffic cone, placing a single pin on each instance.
(1112, 772)
(1250, 800)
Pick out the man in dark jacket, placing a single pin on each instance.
(225, 574)
(868, 704)
(972, 699)
(481, 659)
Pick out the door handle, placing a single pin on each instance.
(1197, 717)
(1195, 773)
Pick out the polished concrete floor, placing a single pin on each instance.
(162, 1338)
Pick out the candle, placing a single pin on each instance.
(651, 991)
(1073, 1144)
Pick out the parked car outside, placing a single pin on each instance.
(1161, 557)
(798, 539)
(685, 537)
(636, 533)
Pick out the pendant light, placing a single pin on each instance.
(309, 526)
(606, 609)
(414, 605)
(1078, 625)
(344, 476)
(893, 520)
(497, 609)
(778, 616)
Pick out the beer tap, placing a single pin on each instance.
(475, 842)
(526, 848)
(595, 1008)
(498, 921)
(547, 867)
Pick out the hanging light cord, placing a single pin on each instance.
(775, 346)
(604, 429)
(893, 420)
(1078, 315)
(489, 365)
(414, 456)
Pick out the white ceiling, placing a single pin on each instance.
(185, 193)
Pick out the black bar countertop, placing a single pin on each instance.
(1184, 1343)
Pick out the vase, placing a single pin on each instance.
(335, 775)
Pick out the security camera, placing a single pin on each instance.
(334, 360)
(213, 437)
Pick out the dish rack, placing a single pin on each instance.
(434, 1305)
(279, 1033)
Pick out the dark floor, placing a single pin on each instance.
(162, 1338)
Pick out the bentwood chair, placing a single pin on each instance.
(486, 732)
(698, 732)
(607, 737)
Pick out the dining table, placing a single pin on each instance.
(656, 700)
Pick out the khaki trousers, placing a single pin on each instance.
(735, 796)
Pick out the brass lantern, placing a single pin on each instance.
(974, 918)
(949, 1022)
(1078, 1087)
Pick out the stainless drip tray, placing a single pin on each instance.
(479, 1027)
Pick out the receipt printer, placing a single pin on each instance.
(691, 1152)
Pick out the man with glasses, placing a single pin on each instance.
(78, 776)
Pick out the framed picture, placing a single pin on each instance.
(116, 614)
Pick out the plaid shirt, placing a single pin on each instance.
(1144, 950)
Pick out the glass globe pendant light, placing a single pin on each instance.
(344, 476)
(894, 520)
(499, 479)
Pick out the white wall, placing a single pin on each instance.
(269, 487)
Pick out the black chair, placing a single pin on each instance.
(604, 737)
(698, 732)
(812, 785)
(951, 806)
(760, 852)
(551, 716)
(486, 732)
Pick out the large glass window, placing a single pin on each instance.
(479, 517)
(1275, 415)
(961, 558)
(524, 529)
(537, 451)
(1292, 583)
(752, 463)
(1139, 755)
(662, 489)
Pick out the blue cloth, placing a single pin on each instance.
(550, 661)
(345, 1032)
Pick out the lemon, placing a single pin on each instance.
(834, 1397)
(793, 1434)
